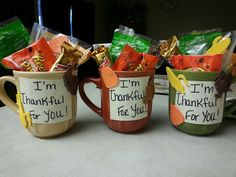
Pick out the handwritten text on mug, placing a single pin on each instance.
(126, 100)
(199, 104)
(47, 101)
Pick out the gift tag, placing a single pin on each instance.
(109, 77)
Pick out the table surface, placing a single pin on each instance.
(90, 148)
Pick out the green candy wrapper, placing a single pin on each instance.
(120, 39)
(13, 37)
(197, 42)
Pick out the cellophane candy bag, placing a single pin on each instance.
(56, 39)
(13, 36)
(197, 42)
(125, 35)
(36, 57)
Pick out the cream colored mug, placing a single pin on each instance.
(44, 105)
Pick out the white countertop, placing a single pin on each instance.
(91, 149)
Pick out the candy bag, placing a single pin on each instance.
(56, 45)
(13, 37)
(197, 42)
(36, 57)
(123, 36)
(56, 39)
(39, 31)
(228, 55)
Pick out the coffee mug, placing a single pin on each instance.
(44, 105)
(193, 105)
(127, 106)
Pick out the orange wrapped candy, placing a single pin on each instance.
(128, 60)
(36, 57)
(197, 62)
(148, 62)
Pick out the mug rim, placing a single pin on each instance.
(199, 74)
(132, 72)
(39, 75)
(186, 71)
(35, 73)
(221, 55)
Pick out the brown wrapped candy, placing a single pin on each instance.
(169, 47)
(68, 56)
(85, 57)
(56, 46)
(101, 56)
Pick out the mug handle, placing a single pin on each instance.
(3, 95)
(84, 96)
